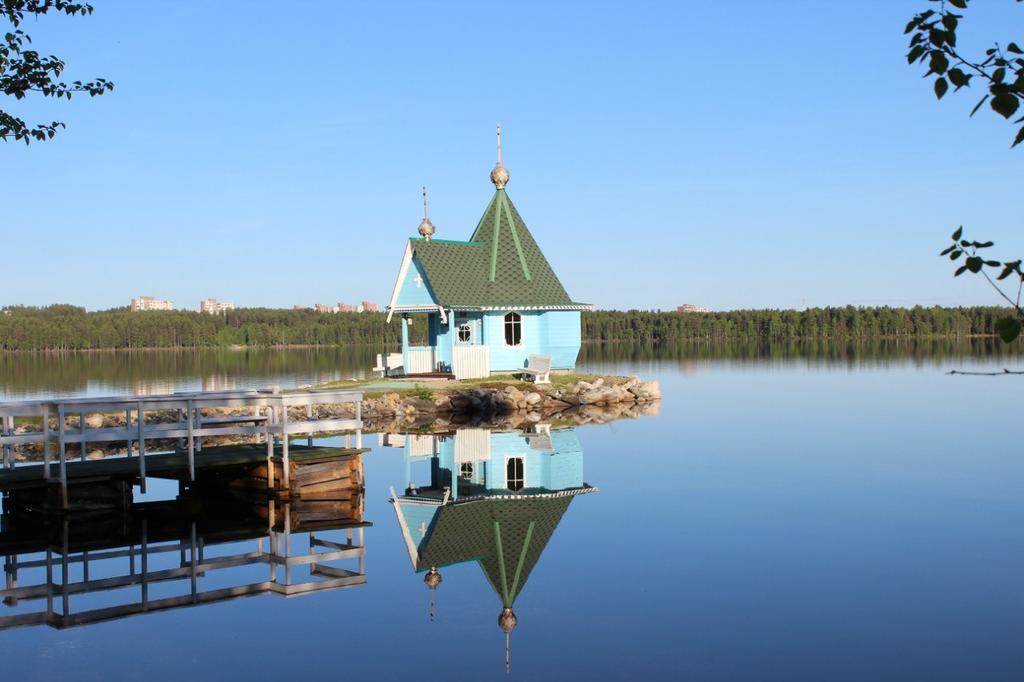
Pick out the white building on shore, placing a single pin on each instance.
(215, 307)
(150, 303)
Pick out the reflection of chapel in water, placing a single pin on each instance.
(490, 497)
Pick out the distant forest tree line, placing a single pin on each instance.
(66, 327)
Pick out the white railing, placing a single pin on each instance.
(317, 570)
(471, 362)
(421, 360)
(269, 419)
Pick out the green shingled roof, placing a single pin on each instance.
(507, 537)
(501, 265)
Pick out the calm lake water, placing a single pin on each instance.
(807, 512)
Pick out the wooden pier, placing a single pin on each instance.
(184, 420)
(156, 556)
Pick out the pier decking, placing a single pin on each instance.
(183, 420)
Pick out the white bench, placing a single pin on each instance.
(538, 369)
(389, 364)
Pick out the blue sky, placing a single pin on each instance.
(729, 154)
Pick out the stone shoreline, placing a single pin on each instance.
(542, 401)
(502, 406)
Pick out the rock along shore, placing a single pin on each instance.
(501, 405)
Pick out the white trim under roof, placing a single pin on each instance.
(487, 308)
(418, 309)
(406, 260)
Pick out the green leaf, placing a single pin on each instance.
(1012, 47)
(983, 245)
(1005, 104)
(959, 231)
(915, 53)
(958, 77)
(941, 86)
(938, 62)
(978, 105)
(948, 250)
(960, 270)
(956, 254)
(973, 263)
(961, 4)
(1008, 328)
(1019, 138)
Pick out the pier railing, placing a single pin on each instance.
(41, 581)
(181, 416)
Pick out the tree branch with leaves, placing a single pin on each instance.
(933, 40)
(24, 71)
(1008, 328)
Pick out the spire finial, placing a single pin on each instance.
(432, 580)
(426, 228)
(507, 622)
(499, 175)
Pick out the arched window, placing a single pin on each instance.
(465, 333)
(514, 473)
(513, 329)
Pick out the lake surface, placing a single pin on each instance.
(798, 513)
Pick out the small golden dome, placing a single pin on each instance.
(499, 176)
(426, 228)
(433, 578)
(507, 620)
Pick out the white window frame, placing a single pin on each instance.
(463, 474)
(458, 330)
(504, 335)
(522, 458)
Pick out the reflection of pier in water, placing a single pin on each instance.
(169, 555)
(492, 497)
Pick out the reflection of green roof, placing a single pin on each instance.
(501, 265)
(505, 536)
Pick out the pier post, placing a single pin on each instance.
(181, 419)
(142, 449)
(285, 476)
(127, 428)
(270, 446)
(81, 427)
(65, 598)
(144, 568)
(49, 585)
(61, 445)
(46, 442)
(191, 445)
(309, 417)
(192, 557)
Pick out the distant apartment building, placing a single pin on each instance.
(364, 307)
(150, 303)
(215, 307)
(691, 308)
